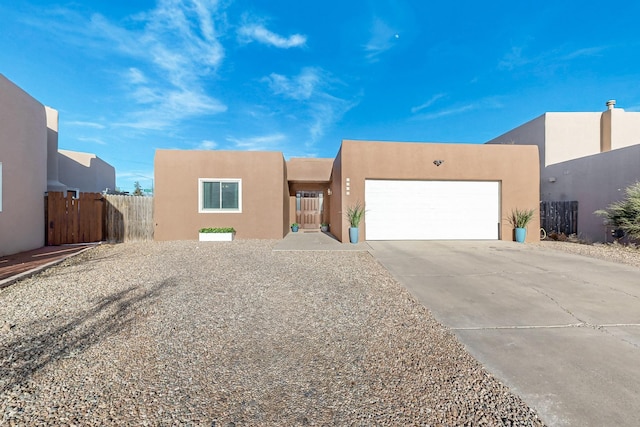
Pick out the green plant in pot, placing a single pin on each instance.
(354, 215)
(324, 227)
(217, 230)
(216, 234)
(294, 227)
(519, 219)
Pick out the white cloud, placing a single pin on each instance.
(174, 47)
(488, 103)
(98, 141)
(513, 59)
(256, 32)
(315, 105)
(258, 143)
(207, 145)
(302, 86)
(585, 52)
(551, 59)
(382, 38)
(447, 112)
(427, 104)
(165, 107)
(136, 76)
(80, 123)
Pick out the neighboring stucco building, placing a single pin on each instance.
(411, 191)
(588, 157)
(85, 172)
(23, 169)
(29, 167)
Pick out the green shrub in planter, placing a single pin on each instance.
(216, 234)
(217, 230)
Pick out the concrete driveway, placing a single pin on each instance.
(561, 330)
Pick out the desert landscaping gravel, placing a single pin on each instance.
(232, 334)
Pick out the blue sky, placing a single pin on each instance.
(130, 77)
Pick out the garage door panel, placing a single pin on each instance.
(431, 210)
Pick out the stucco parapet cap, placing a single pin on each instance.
(309, 170)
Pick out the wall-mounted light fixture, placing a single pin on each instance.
(328, 191)
(438, 162)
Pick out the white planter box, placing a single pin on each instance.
(215, 237)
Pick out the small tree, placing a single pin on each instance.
(137, 189)
(625, 214)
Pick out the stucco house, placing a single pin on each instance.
(413, 191)
(590, 157)
(85, 172)
(23, 171)
(29, 167)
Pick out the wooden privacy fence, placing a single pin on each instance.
(94, 217)
(128, 218)
(71, 219)
(559, 217)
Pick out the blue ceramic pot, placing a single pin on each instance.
(353, 234)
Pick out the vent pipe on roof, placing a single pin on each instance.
(611, 104)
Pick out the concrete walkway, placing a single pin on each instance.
(316, 241)
(561, 330)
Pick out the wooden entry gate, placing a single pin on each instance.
(309, 206)
(76, 218)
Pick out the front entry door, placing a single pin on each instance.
(309, 209)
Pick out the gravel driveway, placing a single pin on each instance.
(189, 333)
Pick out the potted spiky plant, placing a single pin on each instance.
(519, 219)
(354, 216)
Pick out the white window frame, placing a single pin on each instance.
(201, 209)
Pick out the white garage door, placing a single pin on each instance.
(432, 210)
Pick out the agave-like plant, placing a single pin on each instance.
(354, 214)
(520, 218)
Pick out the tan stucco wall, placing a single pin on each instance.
(571, 135)
(559, 136)
(264, 213)
(336, 217)
(566, 136)
(625, 128)
(516, 167)
(595, 182)
(309, 170)
(23, 154)
(85, 171)
(530, 133)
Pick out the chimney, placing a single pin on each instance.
(611, 104)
